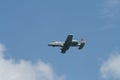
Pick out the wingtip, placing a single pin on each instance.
(71, 34)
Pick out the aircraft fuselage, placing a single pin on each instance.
(68, 43)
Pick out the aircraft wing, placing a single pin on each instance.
(67, 43)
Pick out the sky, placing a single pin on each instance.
(27, 26)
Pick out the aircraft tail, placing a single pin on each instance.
(82, 43)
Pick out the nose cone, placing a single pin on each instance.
(50, 44)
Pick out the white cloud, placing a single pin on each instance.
(111, 67)
(25, 70)
(111, 8)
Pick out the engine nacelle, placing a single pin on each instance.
(74, 42)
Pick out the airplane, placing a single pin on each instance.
(69, 42)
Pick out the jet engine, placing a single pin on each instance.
(74, 42)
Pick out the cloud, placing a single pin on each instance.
(25, 70)
(111, 67)
(111, 8)
(109, 12)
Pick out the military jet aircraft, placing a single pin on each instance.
(69, 42)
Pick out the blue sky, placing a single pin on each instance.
(27, 26)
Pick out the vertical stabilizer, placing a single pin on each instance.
(82, 43)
